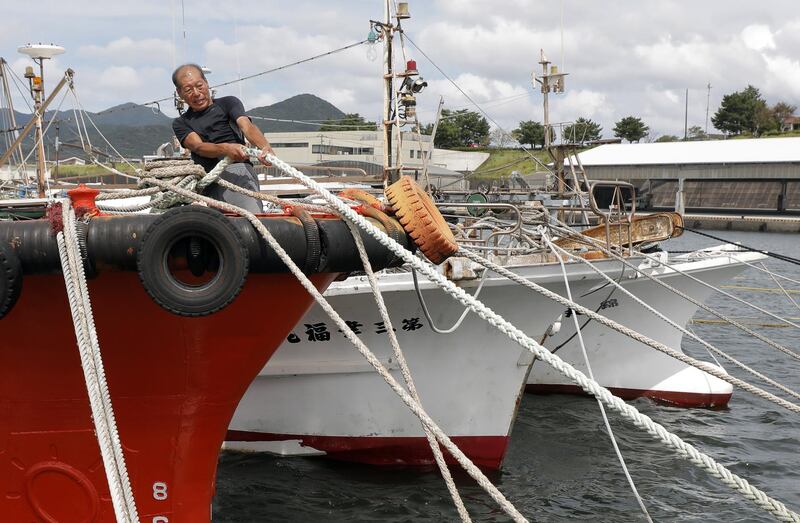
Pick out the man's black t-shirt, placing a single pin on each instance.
(214, 124)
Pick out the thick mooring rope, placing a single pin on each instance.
(406, 372)
(93, 370)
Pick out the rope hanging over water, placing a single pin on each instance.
(777, 256)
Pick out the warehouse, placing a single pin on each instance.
(759, 175)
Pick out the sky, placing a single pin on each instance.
(624, 58)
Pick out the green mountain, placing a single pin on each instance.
(135, 130)
(305, 107)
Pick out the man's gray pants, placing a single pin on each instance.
(243, 175)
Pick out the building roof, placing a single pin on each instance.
(761, 150)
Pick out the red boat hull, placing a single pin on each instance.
(664, 397)
(174, 382)
(484, 451)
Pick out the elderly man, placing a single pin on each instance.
(214, 128)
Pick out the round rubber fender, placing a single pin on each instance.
(313, 241)
(364, 197)
(10, 279)
(421, 220)
(193, 233)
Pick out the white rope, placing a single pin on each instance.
(685, 296)
(579, 332)
(781, 276)
(708, 346)
(406, 372)
(415, 407)
(94, 373)
(781, 287)
(778, 509)
(84, 113)
(427, 313)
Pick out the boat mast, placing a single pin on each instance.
(39, 53)
(551, 81)
(13, 131)
(387, 28)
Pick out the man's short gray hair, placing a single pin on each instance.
(186, 66)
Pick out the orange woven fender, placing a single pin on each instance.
(421, 220)
(364, 197)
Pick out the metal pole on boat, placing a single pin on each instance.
(388, 92)
(66, 79)
(39, 53)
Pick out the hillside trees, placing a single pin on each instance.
(530, 133)
(582, 131)
(462, 128)
(350, 122)
(742, 111)
(631, 128)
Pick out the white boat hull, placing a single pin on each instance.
(321, 396)
(629, 368)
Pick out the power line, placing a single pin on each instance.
(532, 157)
(268, 71)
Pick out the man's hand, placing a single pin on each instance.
(262, 157)
(235, 152)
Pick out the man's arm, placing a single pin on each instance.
(256, 137)
(194, 143)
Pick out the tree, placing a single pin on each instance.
(582, 131)
(500, 138)
(461, 128)
(530, 132)
(350, 122)
(631, 128)
(781, 111)
(742, 111)
(667, 138)
(697, 133)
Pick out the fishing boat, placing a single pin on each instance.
(625, 366)
(317, 396)
(188, 306)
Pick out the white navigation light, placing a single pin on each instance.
(39, 51)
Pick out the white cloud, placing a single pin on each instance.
(758, 37)
(124, 77)
(126, 50)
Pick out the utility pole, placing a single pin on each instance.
(708, 100)
(686, 117)
(551, 80)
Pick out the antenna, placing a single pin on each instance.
(708, 100)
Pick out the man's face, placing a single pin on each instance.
(193, 89)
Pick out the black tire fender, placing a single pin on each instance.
(186, 224)
(313, 241)
(10, 279)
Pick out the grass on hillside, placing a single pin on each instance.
(502, 161)
(89, 170)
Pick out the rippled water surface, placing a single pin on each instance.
(560, 465)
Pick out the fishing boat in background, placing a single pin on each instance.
(627, 367)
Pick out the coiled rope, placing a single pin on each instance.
(93, 370)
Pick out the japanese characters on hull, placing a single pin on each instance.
(315, 332)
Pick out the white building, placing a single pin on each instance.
(314, 147)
